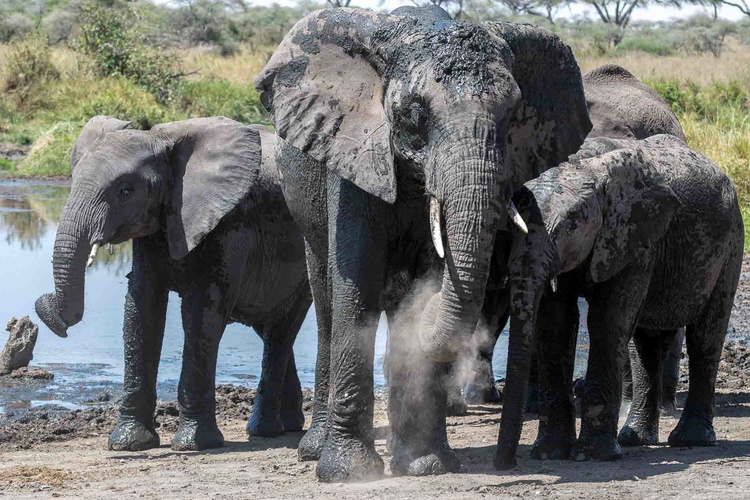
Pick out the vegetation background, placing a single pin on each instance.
(64, 61)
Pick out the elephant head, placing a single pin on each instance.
(468, 111)
(180, 178)
(598, 215)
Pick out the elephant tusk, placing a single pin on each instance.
(110, 248)
(553, 285)
(436, 227)
(92, 255)
(516, 218)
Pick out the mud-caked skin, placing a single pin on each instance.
(650, 233)
(620, 107)
(201, 200)
(408, 116)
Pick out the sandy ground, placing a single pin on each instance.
(268, 468)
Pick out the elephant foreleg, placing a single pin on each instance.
(143, 333)
(204, 321)
(557, 328)
(357, 272)
(312, 442)
(613, 312)
(418, 394)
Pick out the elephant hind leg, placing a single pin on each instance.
(705, 341)
(292, 416)
(278, 355)
(647, 352)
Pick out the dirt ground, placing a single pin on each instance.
(268, 468)
(45, 454)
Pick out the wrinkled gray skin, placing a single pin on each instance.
(651, 234)
(202, 202)
(397, 111)
(620, 107)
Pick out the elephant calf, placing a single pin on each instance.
(202, 202)
(650, 232)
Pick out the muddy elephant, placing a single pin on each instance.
(201, 200)
(651, 234)
(620, 107)
(413, 123)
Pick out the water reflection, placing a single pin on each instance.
(31, 211)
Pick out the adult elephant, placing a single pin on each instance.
(411, 122)
(651, 233)
(620, 107)
(202, 202)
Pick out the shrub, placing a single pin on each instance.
(110, 35)
(648, 45)
(28, 63)
(50, 154)
(220, 98)
(15, 27)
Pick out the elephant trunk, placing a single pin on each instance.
(525, 300)
(73, 247)
(470, 208)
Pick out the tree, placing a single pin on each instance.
(619, 12)
(540, 8)
(339, 3)
(742, 5)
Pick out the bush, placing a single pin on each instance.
(15, 27)
(648, 45)
(220, 98)
(50, 154)
(28, 63)
(110, 35)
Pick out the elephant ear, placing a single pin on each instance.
(551, 121)
(215, 163)
(94, 129)
(335, 119)
(638, 207)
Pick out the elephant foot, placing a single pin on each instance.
(630, 436)
(293, 420)
(311, 445)
(132, 435)
(693, 430)
(348, 460)
(484, 394)
(532, 399)
(264, 426)
(549, 447)
(194, 435)
(601, 447)
(438, 459)
(456, 406)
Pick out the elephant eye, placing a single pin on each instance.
(125, 190)
(412, 123)
(572, 227)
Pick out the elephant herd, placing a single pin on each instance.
(410, 147)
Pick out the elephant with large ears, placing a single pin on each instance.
(651, 234)
(419, 132)
(201, 200)
(620, 107)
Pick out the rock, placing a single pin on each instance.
(19, 350)
(33, 374)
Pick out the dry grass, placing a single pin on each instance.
(42, 475)
(239, 69)
(734, 64)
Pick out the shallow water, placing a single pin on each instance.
(90, 360)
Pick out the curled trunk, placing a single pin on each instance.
(73, 244)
